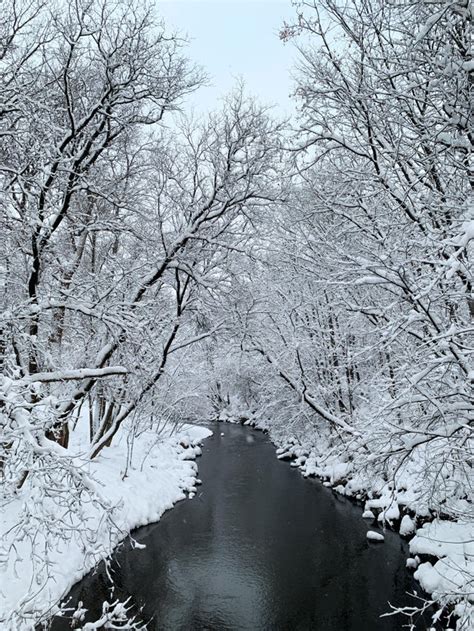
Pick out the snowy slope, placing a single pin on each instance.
(163, 471)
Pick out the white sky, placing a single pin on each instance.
(236, 38)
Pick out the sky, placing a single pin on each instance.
(235, 39)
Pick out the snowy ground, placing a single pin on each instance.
(443, 550)
(163, 471)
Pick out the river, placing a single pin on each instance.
(258, 548)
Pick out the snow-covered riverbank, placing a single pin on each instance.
(40, 565)
(404, 506)
(442, 549)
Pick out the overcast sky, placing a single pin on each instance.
(236, 38)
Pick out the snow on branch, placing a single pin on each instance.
(75, 375)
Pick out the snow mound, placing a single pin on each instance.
(453, 544)
(375, 536)
(407, 526)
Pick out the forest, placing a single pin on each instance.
(311, 277)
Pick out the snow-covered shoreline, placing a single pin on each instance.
(163, 472)
(442, 550)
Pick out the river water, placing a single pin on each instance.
(258, 548)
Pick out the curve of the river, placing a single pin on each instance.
(258, 548)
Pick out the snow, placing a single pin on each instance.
(430, 22)
(371, 280)
(81, 373)
(468, 66)
(462, 240)
(451, 575)
(407, 526)
(163, 471)
(375, 536)
(389, 510)
(339, 472)
(390, 513)
(413, 563)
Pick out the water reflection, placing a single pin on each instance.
(259, 548)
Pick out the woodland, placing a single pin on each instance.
(310, 276)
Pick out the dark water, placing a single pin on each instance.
(258, 548)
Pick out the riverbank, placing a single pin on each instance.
(259, 548)
(442, 549)
(44, 555)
